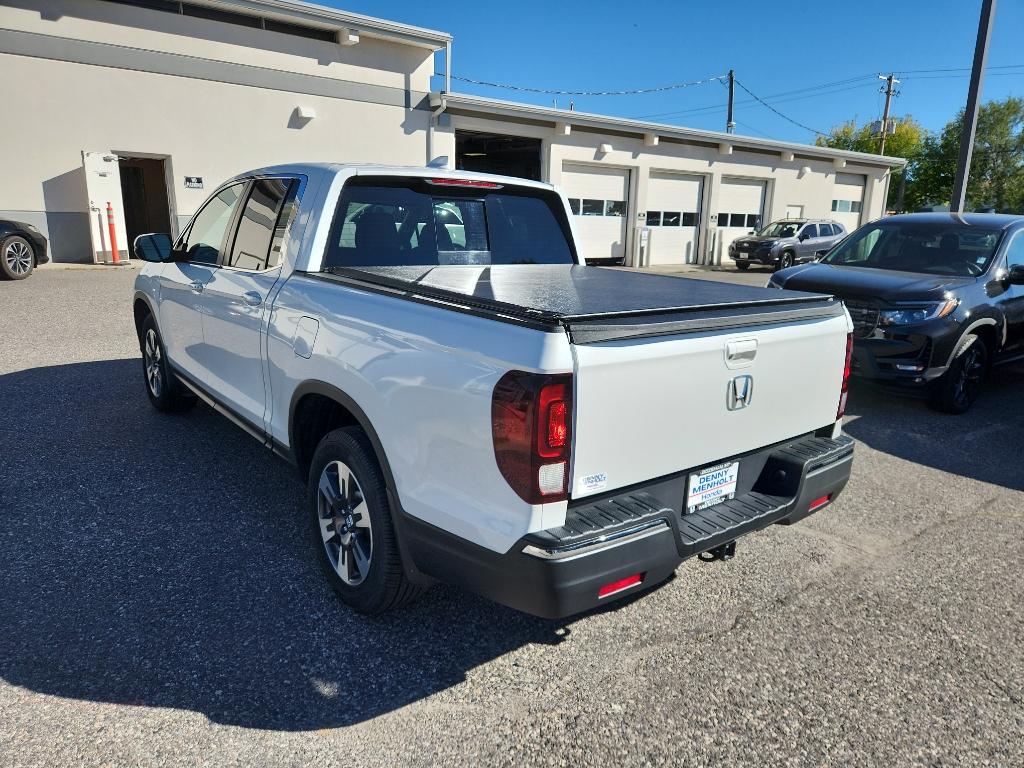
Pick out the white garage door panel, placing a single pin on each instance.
(848, 200)
(742, 201)
(602, 236)
(673, 217)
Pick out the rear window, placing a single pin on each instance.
(382, 222)
(936, 248)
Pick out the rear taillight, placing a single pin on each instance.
(846, 377)
(531, 426)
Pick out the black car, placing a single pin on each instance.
(936, 299)
(22, 249)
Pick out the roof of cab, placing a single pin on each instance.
(369, 169)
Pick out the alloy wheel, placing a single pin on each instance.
(153, 356)
(345, 523)
(970, 375)
(18, 256)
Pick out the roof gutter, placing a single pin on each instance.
(492, 107)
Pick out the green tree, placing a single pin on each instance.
(997, 165)
(905, 142)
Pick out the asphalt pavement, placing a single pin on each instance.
(159, 603)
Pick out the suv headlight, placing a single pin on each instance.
(917, 314)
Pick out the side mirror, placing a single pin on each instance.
(803, 236)
(155, 247)
(1016, 275)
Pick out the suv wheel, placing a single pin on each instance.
(17, 259)
(957, 389)
(351, 529)
(785, 260)
(165, 391)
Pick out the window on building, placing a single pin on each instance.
(843, 206)
(593, 207)
(654, 218)
(690, 219)
(671, 218)
(614, 207)
(753, 221)
(855, 206)
(574, 205)
(738, 220)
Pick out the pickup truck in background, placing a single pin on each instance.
(468, 402)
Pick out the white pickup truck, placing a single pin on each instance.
(468, 402)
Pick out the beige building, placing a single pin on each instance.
(146, 105)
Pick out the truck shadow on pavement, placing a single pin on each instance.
(983, 444)
(164, 561)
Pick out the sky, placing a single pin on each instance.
(815, 62)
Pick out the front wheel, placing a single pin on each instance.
(17, 259)
(785, 260)
(165, 392)
(957, 389)
(352, 529)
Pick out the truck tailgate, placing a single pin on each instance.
(650, 406)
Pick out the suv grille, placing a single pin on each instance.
(864, 316)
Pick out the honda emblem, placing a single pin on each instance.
(741, 392)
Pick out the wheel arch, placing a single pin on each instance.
(142, 308)
(984, 327)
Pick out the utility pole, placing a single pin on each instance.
(890, 81)
(730, 124)
(963, 163)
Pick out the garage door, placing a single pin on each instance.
(848, 200)
(740, 209)
(673, 216)
(599, 200)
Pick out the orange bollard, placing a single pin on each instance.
(113, 233)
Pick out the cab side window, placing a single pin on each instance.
(811, 230)
(1015, 251)
(260, 227)
(203, 242)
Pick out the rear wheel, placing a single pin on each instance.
(352, 528)
(742, 266)
(17, 259)
(957, 389)
(165, 392)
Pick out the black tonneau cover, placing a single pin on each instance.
(592, 304)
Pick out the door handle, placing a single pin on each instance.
(252, 298)
(197, 287)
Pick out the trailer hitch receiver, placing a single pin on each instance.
(722, 552)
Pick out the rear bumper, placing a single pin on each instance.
(641, 530)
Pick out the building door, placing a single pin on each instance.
(848, 199)
(673, 216)
(103, 189)
(494, 153)
(144, 196)
(599, 199)
(740, 210)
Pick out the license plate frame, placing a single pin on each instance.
(710, 487)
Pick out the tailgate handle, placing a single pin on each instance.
(741, 351)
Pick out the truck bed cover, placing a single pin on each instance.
(593, 304)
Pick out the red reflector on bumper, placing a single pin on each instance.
(621, 584)
(820, 502)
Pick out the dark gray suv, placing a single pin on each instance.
(787, 242)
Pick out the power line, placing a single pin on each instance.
(557, 92)
(773, 109)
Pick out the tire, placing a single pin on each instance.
(742, 266)
(785, 260)
(165, 392)
(351, 525)
(957, 389)
(17, 258)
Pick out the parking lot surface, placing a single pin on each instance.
(160, 604)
